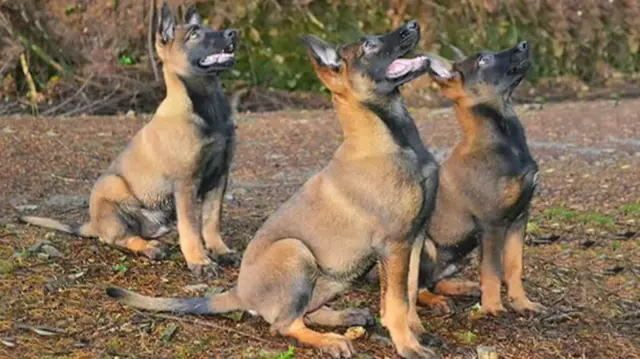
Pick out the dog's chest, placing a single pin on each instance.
(213, 161)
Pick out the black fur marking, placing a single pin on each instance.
(405, 134)
(447, 255)
(403, 129)
(212, 106)
(514, 152)
(115, 292)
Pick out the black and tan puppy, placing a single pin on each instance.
(486, 184)
(370, 204)
(176, 166)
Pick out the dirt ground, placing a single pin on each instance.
(582, 258)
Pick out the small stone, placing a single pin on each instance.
(36, 246)
(384, 340)
(130, 114)
(51, 251)
(27, 207)
(486, 352)
(354, 333)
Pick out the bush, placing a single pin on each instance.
(106, 40)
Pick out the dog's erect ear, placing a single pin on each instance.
(441, 71)
(459, 55)
(321, 52)
(192, 17)
(166, 23)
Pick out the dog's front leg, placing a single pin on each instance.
(189, 210)
(414, 272)
(211, 213)
(395, 265)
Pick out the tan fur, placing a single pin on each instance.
(160, 164)
(476, 195)
(359, 210)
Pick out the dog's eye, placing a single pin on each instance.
(369, 45)
(484, 60)
(194, 34)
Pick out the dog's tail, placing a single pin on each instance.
(85, 230)
(215, 304)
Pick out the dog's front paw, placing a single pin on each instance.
(522, 305)
(336, 345)
(155, 250)
(493, 310)
(205, 269)
(414, 350)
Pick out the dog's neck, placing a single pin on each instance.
(486, 124)
(481, 122)
(203, 96)
(370, 128)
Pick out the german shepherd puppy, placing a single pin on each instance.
(368, 205)
(486, 184)
(177, 164)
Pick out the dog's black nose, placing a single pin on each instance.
(413, 25)
(230, 34)
(523, 46)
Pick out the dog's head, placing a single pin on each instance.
(487, 77)
(370, 68)
(191, 49)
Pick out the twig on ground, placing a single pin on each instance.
(45, 331)
(206, 324)
(93, 105)
(33, 93)
(41, 54)
(55, 108)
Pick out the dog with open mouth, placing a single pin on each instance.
(370, 205)
(485, 185)
(176, 166)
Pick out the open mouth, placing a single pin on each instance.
(224, 58)
(403, 67)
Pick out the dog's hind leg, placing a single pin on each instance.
(458, 287)
(328, 317)
(109, 196)
(211, 213)
(320, 314)
(336, 345)
(279, 283)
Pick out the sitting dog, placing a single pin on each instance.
(485, 186)
(369, 205)
(177, 164)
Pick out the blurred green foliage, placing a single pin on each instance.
(569, 37)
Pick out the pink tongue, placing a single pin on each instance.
(401, 67)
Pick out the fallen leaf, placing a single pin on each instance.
(169, 332)
(354, 333)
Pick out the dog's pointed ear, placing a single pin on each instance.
(192, 17)
(322, 53)
(166, 23)
(459, 55)
(441, 70)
